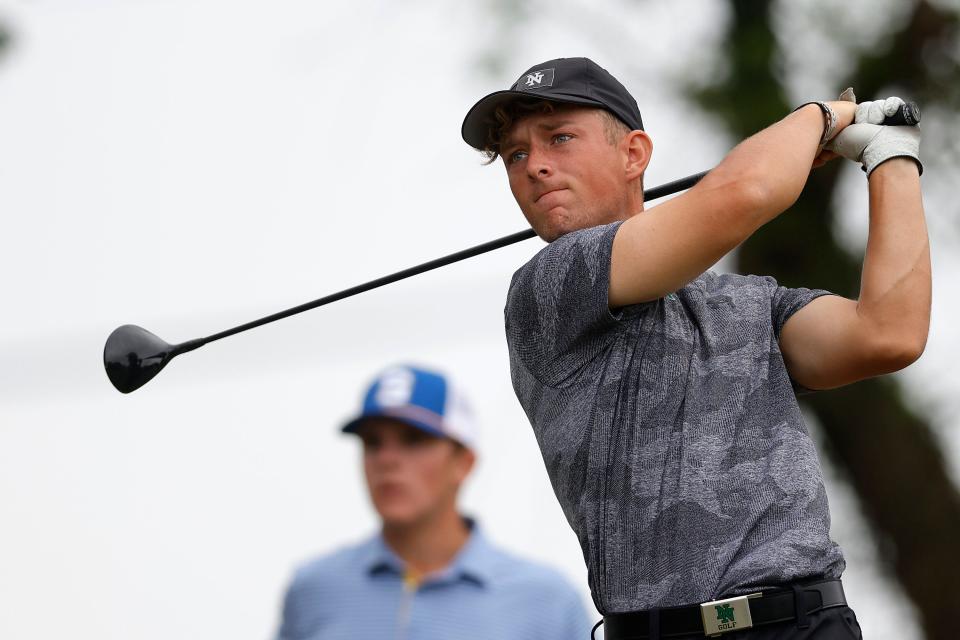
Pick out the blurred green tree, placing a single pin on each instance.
(887, 451)
(5, 38)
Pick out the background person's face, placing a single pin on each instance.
(564, 173)
(411, 476)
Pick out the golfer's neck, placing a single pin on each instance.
(429, 545)
(630, 207)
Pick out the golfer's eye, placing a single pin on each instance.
(414, 438)
(562, 137)
(517, 156)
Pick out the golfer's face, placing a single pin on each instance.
(410, 474)
(563, 171)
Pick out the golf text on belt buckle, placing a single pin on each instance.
(730, 614)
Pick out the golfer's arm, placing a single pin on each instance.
(834, 341)
(661, 250)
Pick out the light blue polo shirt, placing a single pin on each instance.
(358, 593)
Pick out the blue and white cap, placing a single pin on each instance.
(423, 399)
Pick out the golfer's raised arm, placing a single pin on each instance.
(665, 248)
(834, 341)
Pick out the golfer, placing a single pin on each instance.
(430, 573)
(662, 395)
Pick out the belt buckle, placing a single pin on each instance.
(729, 614)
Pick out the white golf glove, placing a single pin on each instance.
(870, 143)
(875, 111)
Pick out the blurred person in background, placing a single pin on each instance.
(429, 573)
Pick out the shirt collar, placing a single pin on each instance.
(472, 563)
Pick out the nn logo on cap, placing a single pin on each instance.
(536, 80)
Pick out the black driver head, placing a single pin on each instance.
(132, 356)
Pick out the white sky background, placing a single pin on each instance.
(190, 166)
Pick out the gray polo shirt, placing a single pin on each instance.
(670, 429)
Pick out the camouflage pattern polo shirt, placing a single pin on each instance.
(670, 429)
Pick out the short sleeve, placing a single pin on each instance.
(304, 608)
(576, 624)
(786, 301)
(557, 314)
(289, 628)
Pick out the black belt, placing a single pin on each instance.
(767, 607)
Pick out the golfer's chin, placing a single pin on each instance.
(398, 514)
(553, 223)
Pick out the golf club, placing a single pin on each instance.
(132, 355)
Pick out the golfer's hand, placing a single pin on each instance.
(846, 113)
(876, 111)
(874, 144)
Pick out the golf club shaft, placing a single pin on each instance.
(649, 194)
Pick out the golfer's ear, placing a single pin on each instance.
(639, 148)
(467, 460)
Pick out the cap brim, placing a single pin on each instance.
(480, 115)
(354, 425)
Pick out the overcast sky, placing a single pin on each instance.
(192, 165)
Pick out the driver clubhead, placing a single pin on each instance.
(132, 356)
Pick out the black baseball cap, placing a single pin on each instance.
(568, 80)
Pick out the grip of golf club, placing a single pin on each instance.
(907, 115)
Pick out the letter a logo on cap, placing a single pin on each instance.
(536, 80)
